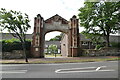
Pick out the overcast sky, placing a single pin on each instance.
(47, 8)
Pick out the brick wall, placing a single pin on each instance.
(15, 54)
(101, 52)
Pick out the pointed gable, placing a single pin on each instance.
(56, 18)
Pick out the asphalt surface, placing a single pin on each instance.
(106, 69)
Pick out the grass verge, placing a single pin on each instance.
(59, 61)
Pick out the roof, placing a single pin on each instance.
(53, 42)
(9, 36)
(83, 38)
(113, 38)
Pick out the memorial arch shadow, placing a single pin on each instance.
(55, 23)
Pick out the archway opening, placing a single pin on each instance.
(52, 46)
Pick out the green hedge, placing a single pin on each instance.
(14, 44)
(115, 44)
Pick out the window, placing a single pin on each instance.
(46, 45)
(45, 50)
(84, 43)
(36, 49)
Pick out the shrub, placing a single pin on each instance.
(115, 44)
(98, 47)
(14, 44)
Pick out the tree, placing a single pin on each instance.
(100, 18)
(57, 38)
(17, 24)
(53, 49)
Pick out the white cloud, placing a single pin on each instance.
(50, 35)
(47, 8)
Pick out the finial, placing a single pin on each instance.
(74, 16)
(56, 14)
(38, 15)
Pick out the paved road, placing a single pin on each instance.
(107, 69)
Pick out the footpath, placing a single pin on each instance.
(59, 60)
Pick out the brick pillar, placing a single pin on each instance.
(69, 42)
(73, 37)
(37, 38)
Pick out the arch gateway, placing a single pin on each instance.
(55, 23)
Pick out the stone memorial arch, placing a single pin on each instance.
(55, 23)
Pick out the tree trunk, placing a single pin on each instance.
(24, 50)
(108, 42)
(55, 54)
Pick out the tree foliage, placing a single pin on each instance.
(57, 38)
(52, 49)
(100, 18)
(16, 23)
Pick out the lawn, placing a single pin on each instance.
(52, 55)
(59, 60)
